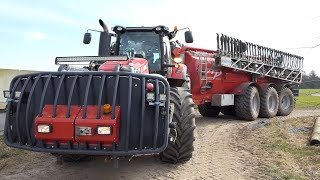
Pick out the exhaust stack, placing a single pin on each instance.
(105, 40)
(104, 26)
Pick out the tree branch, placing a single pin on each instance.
(316, 17)
(311, 47)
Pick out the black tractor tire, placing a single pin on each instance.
(286, 102)
(181, 148)
(228, 110)
(75, 158)
(269, 103)
(206, 110)
(247, 105)
(187, 84)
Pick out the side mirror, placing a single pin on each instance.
(188, 37)
(87, 38)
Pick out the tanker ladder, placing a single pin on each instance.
(204, 68)
(259, 60)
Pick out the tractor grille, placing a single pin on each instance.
(143, 127)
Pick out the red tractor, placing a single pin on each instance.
(126, 102)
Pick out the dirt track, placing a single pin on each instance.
(219, 154)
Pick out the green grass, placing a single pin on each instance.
(278, 174)
(10, 157)
(7, 152)
(292, 149)
(306, 100)
(308, 92)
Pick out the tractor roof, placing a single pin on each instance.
(121, 29)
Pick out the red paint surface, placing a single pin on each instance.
(224, 80)
(62, 127)
(92, 122)
(139, 64)
(176, 72)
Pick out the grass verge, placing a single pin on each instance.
(284, 145)
(307, 100)
(9, 156)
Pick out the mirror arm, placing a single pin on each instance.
(183, 29)
(93, 30)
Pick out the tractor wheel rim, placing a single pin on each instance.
(285, 103)
(272, 103)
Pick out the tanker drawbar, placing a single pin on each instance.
(93, 113)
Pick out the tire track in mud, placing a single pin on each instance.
(224, 158)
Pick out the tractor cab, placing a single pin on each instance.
(143, 46)
(149, 43)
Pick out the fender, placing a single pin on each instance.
(177, 75)
(264, 86)
(280, 86)
(239, 90)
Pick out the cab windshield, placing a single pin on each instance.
(142, 45)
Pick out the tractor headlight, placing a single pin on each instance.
(17, 94)
(150, 97)
(104, 130)
(177, 60)
(163, 97)
(44, 128)
(6, 94)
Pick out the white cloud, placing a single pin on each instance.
(35, 36)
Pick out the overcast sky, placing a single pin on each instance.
(34, 32)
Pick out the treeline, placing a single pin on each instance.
(310, 81)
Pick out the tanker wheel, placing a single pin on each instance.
(286, 102)
(206, 110)
(228, 110)
(181, 148)
(247, 105)
(269, 103)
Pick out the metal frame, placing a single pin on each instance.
(259, 60)
(25, 140)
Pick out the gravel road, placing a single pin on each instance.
(218, 155)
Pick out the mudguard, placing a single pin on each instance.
(177, 75)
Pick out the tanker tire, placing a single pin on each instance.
(247, 105)
(286, 102)
(206, 110)
(228, 110)
(181, 149)
(269, 103)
